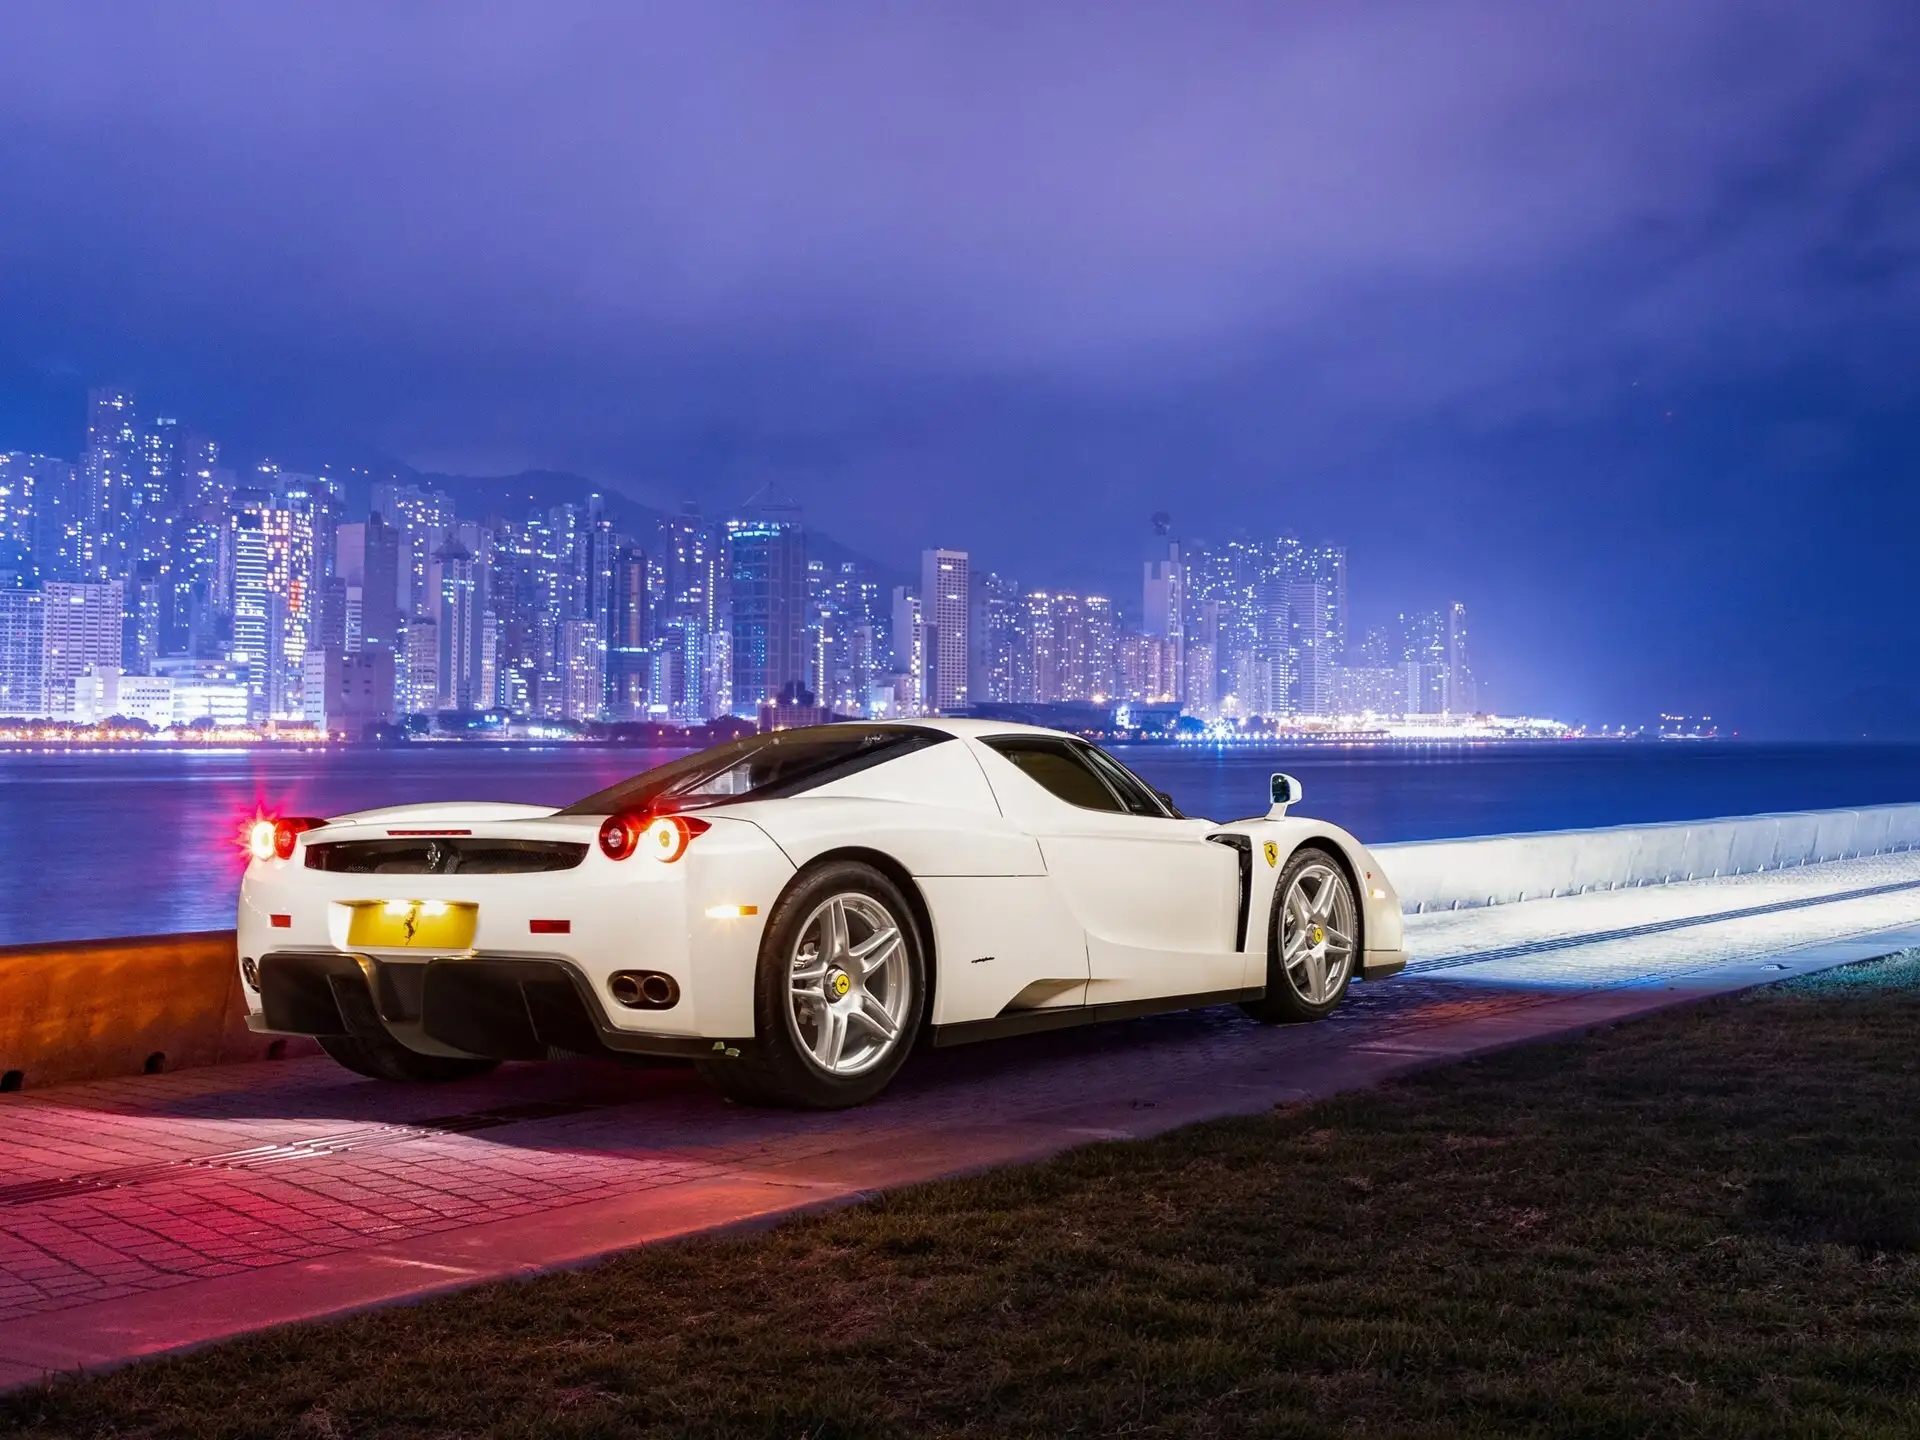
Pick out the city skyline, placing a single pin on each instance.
(1559, 313)
(146, 579)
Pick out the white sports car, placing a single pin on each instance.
(794, 911)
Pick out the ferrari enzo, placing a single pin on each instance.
(795, 911)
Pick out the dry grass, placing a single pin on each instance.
(1703, 1224)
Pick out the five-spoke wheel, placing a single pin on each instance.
(851, 984)
(838, 995)
(1313, 941)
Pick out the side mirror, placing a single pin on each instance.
(1286, 791)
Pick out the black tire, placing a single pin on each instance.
(387, 1059)
(1289, 1000)
(781, 1068)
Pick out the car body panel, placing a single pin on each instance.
(1031, 904)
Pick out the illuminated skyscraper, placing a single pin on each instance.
(629, 655)
(462, 659)
(1163, 616)
(110, 476)
(689, 617)
(768, 595)
(22, 652)
(1312, 649)
(82, 626)
(993, 638)
(1462, 694)
(943, 610)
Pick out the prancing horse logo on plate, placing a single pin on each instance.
(1273, 854)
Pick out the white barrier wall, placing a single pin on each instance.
(1503, 869)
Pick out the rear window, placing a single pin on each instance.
(760, 767)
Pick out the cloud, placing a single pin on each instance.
(1479, 266)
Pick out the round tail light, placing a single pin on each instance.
(618, 836)
(667, 836)
(285, 832)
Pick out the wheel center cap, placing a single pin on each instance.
(839, 983)
(1317, 935)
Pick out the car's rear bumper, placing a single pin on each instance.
(498, 1007)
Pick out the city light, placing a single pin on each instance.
(275, 607)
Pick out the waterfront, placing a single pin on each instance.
(102, 844)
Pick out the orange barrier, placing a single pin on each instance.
(91, 1009)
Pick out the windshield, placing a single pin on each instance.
(760, 767)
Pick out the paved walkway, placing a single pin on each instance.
(151, 1213)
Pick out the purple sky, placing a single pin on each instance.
(1601, 318)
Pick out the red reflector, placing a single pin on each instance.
(550, 927)
(281, 922)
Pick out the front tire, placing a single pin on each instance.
(1313, 941)
(839, 994)
(385, 1058)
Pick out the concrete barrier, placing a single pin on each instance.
(1506, 869)
(88, 1010)
(92, 1009)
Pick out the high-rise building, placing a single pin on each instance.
(943, 610)
(82, 625)
(1312, 649)
(1326, 565)
(422, 519)
(22, 653)
(417, 666)
(462, 661)
(271, 585)
(380, 584)
(993, 637)
(1070, 647)
(583, 671)
(1163, 614)
(110, 476)
(690, 614)
(768, 596)
(1463, 697)
(17, 476)
(629, 653)
(52, 524)
(909, 640)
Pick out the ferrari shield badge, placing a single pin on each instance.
(1273, 854)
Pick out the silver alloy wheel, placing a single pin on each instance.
(849, 985)
(1316, 932)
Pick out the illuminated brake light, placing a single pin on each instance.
(285, 832)
(617, 836)
(665, 837)
(268, 838)
(668, 836)
(260, 839)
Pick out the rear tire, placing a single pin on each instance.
(1313, 941)
(839, 994)
(387, 1059)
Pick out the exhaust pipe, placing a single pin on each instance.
(644, 989)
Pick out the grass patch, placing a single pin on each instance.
(1702, 1224)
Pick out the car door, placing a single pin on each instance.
(1158, 900)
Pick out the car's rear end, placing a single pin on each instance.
(509, 932)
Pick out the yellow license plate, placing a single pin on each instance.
(413, 924)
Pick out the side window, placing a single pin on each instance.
(1058, 770)
(1133, 791)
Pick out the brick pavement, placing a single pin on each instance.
(149, 1213)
